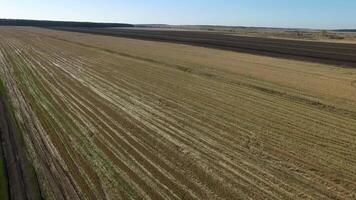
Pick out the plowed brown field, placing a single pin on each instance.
(336, 53)
(115, 118)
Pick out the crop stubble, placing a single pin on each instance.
(120, 118)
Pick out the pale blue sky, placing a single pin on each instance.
(272, 13)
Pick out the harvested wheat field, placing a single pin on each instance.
(114, 118)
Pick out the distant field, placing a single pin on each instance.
(344, 36)
(324, 52)
(116, 118)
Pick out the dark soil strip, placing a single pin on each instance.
(322, 52)
(21, 180)
(3, 176)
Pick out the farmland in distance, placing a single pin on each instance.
(115, 118)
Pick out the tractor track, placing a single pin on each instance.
(19, 187)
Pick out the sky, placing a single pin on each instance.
(325, 14)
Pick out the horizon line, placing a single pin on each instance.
(164, 24)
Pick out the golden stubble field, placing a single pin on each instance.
(113, 118)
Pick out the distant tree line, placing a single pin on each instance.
(44, 23)
(346, 30)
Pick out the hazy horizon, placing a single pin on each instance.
(317, 14)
